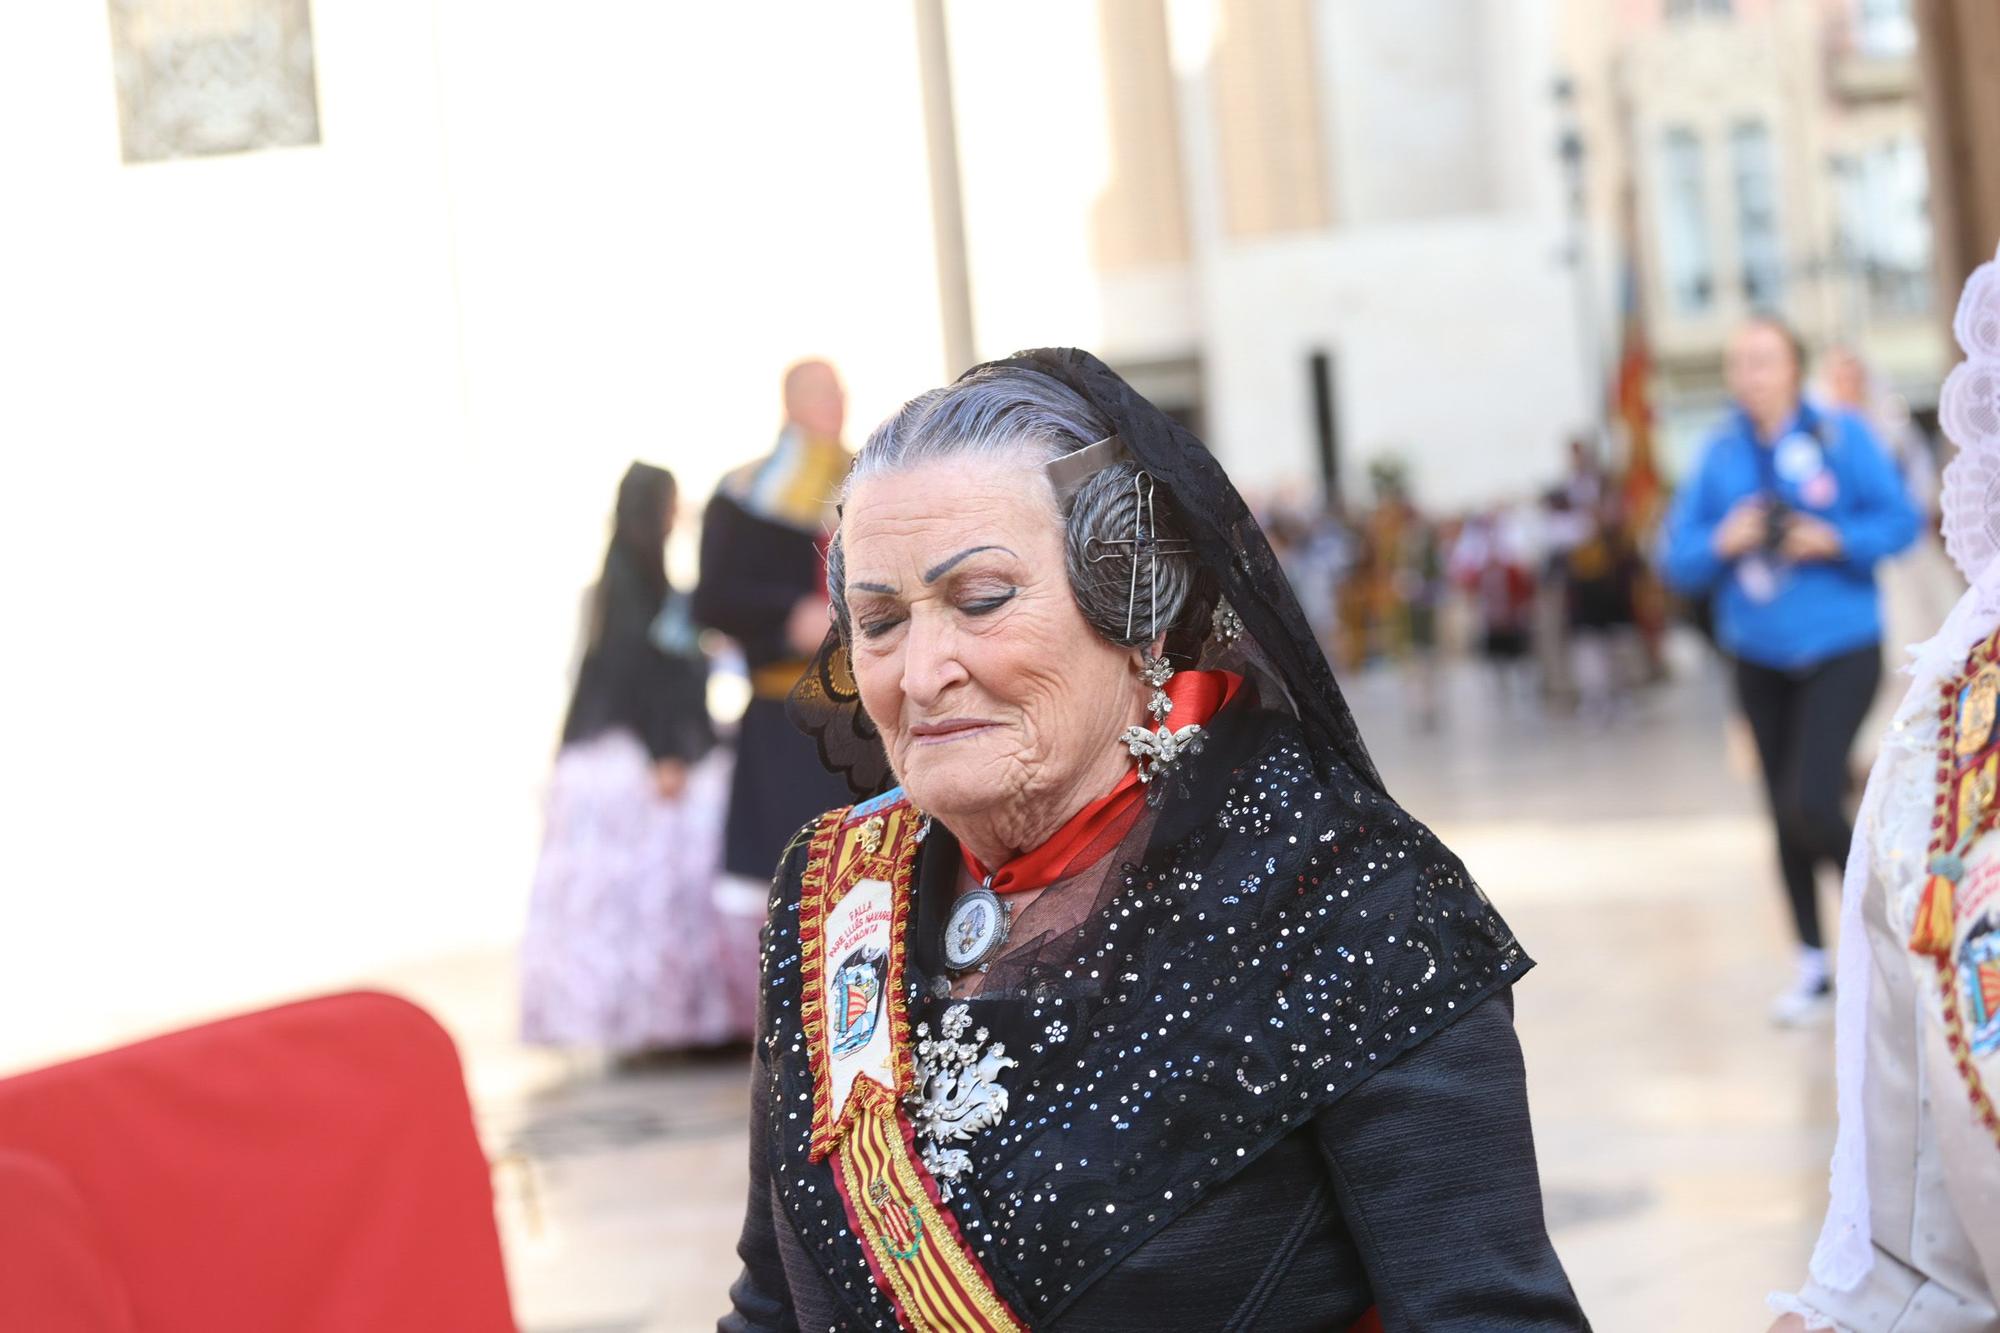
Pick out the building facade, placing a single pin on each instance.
(1762, 156)
(1959, 51)
(1330, 232)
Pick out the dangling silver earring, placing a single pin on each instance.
(1156, 672)
(1157, 749)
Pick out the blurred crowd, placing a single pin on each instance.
(663, 822)
(1553, 594)
(1559, 594)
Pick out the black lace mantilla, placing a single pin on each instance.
(1237, 566)
(1283, 935)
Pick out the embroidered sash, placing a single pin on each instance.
(853, 929)
(1957, 921)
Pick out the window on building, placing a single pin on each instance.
(1687, 262)
(1885, 27)
(1885, 227)
(1754, 171)
(1687, 9)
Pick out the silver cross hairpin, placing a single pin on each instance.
(1145, 541)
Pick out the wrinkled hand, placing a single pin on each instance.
(1742, 530)
(1809, 538)
(806, 627)
(670, 778)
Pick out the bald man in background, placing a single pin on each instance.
(763, 583)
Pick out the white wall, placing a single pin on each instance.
(1453, 345)
(309, 452)
(1448, 311)
(1034, 154)
(1408, 108)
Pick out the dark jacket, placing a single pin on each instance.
(631, 680)
(753, 572)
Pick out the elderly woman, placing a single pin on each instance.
(1138, 1003)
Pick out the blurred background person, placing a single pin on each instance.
(1487, 566)
(1421, 588)
(1314, 549)
(1919, 583)
(1787, 512)
(624, 949)
(1600, 576)
(1586, 484)
(1562, 528)
(763, 583)
(1848, 385)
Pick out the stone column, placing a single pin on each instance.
(1959, 54)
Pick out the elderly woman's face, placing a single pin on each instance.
(993, 695)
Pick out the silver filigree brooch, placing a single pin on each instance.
(958, 1093)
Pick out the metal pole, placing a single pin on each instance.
(1570, 149)
(1597, 384)
(947, 206)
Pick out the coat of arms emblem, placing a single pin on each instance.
(1979, 970)
(857, 997)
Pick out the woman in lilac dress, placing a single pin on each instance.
(624, 947)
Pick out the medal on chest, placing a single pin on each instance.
(976, 930)
(1957, 922)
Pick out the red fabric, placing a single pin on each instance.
(309, 1168)
(54, 1274)
(1092, 831)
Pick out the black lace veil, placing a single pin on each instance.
(1237, 567)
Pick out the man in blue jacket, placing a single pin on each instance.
(1783, 521)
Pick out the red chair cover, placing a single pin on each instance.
(54, 1274)
(309, 1168)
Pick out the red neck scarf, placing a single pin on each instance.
(1094, 830)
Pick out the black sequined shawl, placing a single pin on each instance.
(1281, 932)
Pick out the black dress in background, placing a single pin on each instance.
(624, 888)
(754, 570)
(636, 676)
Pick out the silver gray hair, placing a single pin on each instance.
(1003, 410)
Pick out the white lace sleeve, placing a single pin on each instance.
(1783, 1302)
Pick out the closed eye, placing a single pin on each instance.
(875, 629)
(987, 605)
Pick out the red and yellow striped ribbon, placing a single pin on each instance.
(914, 1248)
(916, 1253)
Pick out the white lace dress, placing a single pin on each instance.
(1911, 1242)
(625, 947)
